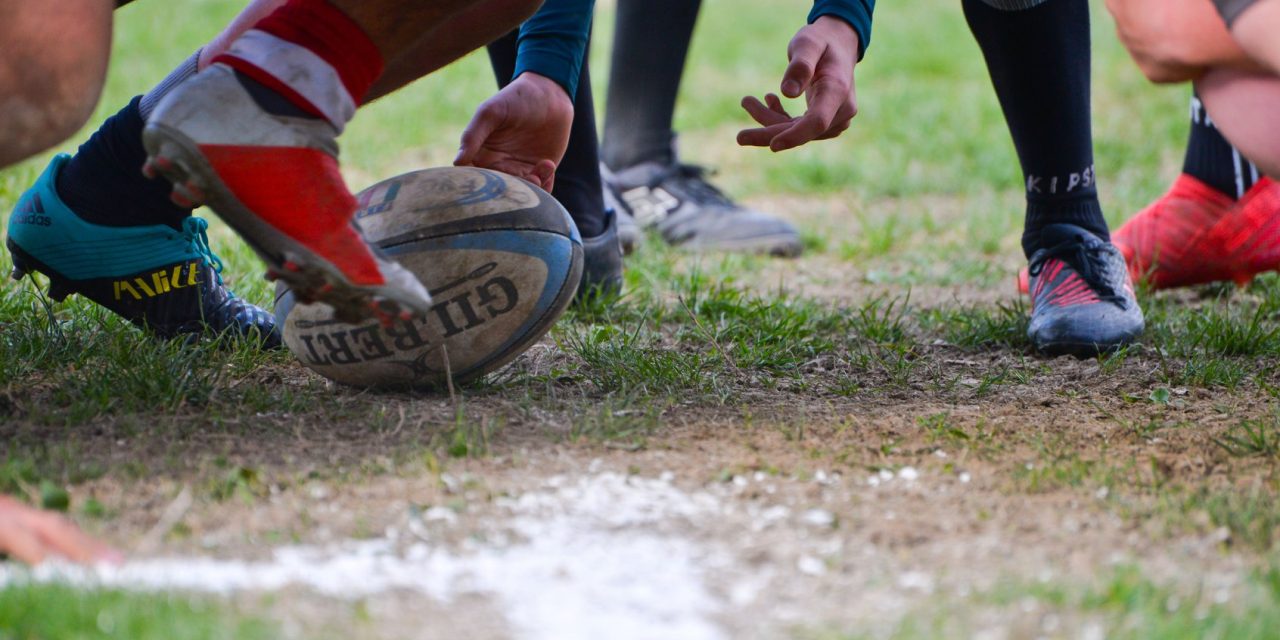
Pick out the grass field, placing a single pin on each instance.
(858, 443)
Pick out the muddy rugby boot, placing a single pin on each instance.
(159, 278)
(1082, 300)
(275, 180)
(1196, 235)
(691, 213)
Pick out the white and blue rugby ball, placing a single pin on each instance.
(501, 258)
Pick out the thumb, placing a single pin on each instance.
(477, 132)
(804, 55)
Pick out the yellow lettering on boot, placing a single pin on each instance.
(123, 286)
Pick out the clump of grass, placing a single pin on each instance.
(634, 360)
(60, 611)
(973, 327)
(1247, 438)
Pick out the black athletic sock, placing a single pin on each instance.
(103, 182)
(651, 41)
(1212, 160)
(578, 186)
(1038, 58)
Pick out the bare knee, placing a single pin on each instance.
(48, 93)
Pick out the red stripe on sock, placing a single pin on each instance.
(327, 32)
(269, 81)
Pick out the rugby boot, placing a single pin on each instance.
(629, 234)
(156, 277)
(601, 263)
(1195, 235)
(689, 212)
(1082, 300)
(275, 180)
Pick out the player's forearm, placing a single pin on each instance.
(553, 42)
(855, 12)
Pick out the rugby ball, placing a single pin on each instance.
(501, 258)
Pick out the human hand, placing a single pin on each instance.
(522, 130)
(822, 56)
(32, 535)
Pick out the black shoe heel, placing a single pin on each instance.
(20, 267)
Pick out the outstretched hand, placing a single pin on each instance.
(32, 535)
(522, 130)
(822, 56)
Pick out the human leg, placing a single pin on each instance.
(646, 181)
(269, 114)
(47, 93)
(1037, 53)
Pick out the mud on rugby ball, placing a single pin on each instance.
(501, 258)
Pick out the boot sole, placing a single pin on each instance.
(312, 277)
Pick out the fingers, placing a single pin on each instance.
(545, 171)
(769, 115)
(763, 136)
(31, 535)
(19, 541)
(804, 54)
(824, 103)
(67, 540)
(840, 124)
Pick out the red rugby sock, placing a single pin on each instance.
(313, 55)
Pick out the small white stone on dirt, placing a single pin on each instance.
(821, 477)
(318, 492)
(909, 474)
(1093, 631)
(916, 581)
(739, 481)
(940, 453)
(819, 518)
(440, 514)
(1102, 493)
(667, 476)
(811, 566)
(760, 476)
(886, 475)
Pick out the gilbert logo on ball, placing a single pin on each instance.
(501, 258)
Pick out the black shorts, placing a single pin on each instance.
(1231, 9)
(121, 3)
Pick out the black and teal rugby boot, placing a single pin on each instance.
(162, 279)
(1082, 298)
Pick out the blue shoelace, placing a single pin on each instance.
(196, 231)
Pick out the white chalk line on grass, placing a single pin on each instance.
(598, 556)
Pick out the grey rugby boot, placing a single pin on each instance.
(678, 201)
(629, 233)
(601, 263)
